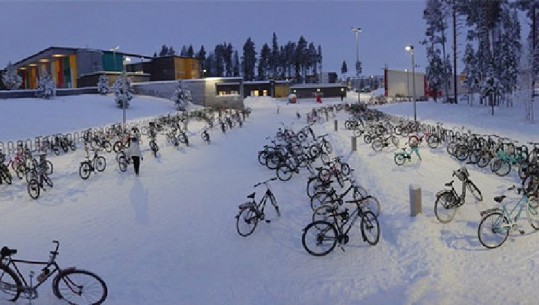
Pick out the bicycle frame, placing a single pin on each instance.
(523, 201)
(346, 220)
(12, 263)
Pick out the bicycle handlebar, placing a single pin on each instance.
(264, 182)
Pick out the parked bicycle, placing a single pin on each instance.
(403, 155)
(76, 286)
(496, 223)
(447, 201)
(251, 212)
(321, 237)
(95, 164)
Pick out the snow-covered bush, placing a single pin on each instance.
(123, 91)
(181, 97)
(103, 85)
(46, 86)
(10, 78)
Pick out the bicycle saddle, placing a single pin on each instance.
(499, 199)
(251, 196)
(7, 252)
(449, 183)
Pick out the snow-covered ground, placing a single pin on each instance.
(169, 237)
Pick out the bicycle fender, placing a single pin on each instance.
(441, 192)
(57, 278)
(246, 205)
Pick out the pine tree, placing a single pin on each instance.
(46, 86)
(190, 52)
(123, 91)
(181, 97)
(274, 58)
(249, 60)
(103, 84)
(263, 62)
(344, 69)
(236, 64)
(10, 78)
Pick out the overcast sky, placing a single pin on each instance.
(142, 27)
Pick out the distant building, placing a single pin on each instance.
(81, 67)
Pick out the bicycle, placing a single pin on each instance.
(96, 164)
(447, 201)
(76, 286)
(403, 155)
(251, 212)
(35, 184)
(325, 234)
(205, 135)
(496, 223)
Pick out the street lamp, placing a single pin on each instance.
(358, 63)
(410, 48)
(126, 61)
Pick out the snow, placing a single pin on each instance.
(169, 236)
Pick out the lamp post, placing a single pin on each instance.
(410, 48)
(116, 48)
(358, 63)
(125, 62)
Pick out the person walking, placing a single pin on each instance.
(135, 153)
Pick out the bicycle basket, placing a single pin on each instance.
(462, 173)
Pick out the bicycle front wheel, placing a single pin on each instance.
(284, 172)
(33, 188)
(445, 207)
(246, 222)
(474, 190)
(319, 238)
(399, 159)
(533, 212)
(100, 163)
(370, 228)
(84, 170)
(79, 287)
(493, 230)
(9, 284)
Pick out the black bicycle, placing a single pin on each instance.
(95, 164)
(76, 286)
(321, 236)
(251, 212)
(447, 201)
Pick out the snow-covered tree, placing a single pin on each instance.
(46, 86)
(10, 78)
(123, 91)
(103, 84)
(181, 97)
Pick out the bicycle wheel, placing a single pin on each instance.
(327, 147)
(122, 163)
(100, 163)
(319, 199)
(433, 141)
(345, 169)
(84, 170)
(474, 190)
(533, 212)
(530, 185)
(246, 222)
(370, 228)
(445, 206)
(9, 284)
(6, 176)
(106, 146)
(262, 155)
(484, 159)
(49, 168)
(33, 188)
(413, 140)
(319, 238)
(399, 159)
(79, 287)
(324, 175)
(500, 167)
(377, 145)
(493, 230)
(284, 172)
(323, 213)
(118, 146)
(314, 185)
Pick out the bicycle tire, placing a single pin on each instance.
(377, 145)
(47, 180)
(49, 168)
(484, 159)
(433, 141)
(246, 222)
(492, 223)
(107, 146)
(474, 190)
(314, 185)
(122, 163)
(33, 189)
(324, 235)
(413, 140)
(284, 172)
(80, 287)
(502, 168)
(530, 185)
(6, 176)
(371, 204)
(85, 170)
(532, 212)
(10, 284)
(100, 164)
(320, 198)
(399, 159)
(370, 228)
(323, 213)
(345, 169)
(445, 206)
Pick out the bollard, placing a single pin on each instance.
(327, 116)
(354, 143)
(336, 124)
(415, 200)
